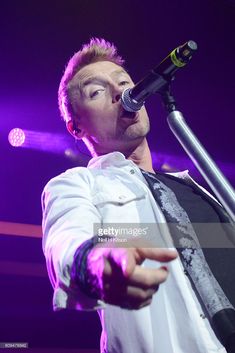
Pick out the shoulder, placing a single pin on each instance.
(74, 176)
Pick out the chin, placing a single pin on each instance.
(137, 132)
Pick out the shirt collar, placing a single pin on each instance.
(111, 159)
(117, 159)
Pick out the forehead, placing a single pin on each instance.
(106, 68)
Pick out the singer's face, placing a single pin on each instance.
(103, 121)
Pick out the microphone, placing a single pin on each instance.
(133, 98)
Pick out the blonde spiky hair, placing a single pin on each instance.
(98, 49)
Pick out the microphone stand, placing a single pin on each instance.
(203, 162)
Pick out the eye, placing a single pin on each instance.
(123, 83)
(96, 92)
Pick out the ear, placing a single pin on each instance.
(74, 130)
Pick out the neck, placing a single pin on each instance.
(141, 157)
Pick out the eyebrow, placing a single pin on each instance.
(97, 79)
(92, 79)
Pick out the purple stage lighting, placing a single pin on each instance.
(39, 140)
(16, 137)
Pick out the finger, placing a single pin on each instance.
(135, 290)
(135, 306)
(137, 298)
(130, 297)
(138, 294)
(148, 277)
(158, 254)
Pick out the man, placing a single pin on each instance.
(150, 300)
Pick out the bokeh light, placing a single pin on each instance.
(16, 137)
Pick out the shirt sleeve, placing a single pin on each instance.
(68, 220)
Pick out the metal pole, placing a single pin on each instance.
(204, 163)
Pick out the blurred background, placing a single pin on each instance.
(36, 40)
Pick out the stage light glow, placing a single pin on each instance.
(71, 154)
(63, 144)
(38, 140)
(68, 152)
(16, 137)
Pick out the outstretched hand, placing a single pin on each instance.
(118, 278)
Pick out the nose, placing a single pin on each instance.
(116, 93)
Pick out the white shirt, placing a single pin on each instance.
(113, 190)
